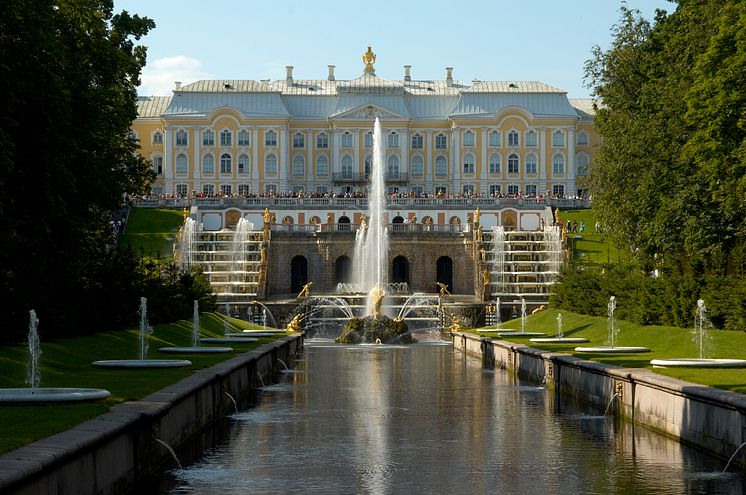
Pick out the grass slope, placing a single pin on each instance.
(664, 342)
(591, 246)
(67, 363)
(152, 230)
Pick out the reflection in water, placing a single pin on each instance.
(427, 419)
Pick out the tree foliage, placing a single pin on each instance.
(68, 76)
(669, 178)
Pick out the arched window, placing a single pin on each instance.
(558, 139)
(369, 139)
(531, 138)
(513, 140)
(270, 165)
(581, 164)
(322, 166)
(468, 138)
(417, 142)
(441, 167)
(225, 163)
(558, 164)
(208, 189)
(226, 137)
(208, 138)
(347, 139)
(270, 138)
(208, 164)
(495, 138)
(441, 142)
(243, 138)
(322, 141)
(299, 141)
(582, 138)
(347, 167)
(299, 166)
(514, 166)
(182, 163)
(531, 164)
(495, 164)
(418, 166)
(468, 163)
(181, 138)
(392, 166)
(244, 164)
(368, 163)
(393, 140)
(157, 137)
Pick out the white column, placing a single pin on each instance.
(356, 151)
(404, 150)
(335, 151)
(429, 165)
(197, 159)
(309, 160)
(483, 175)
(571, 162)
(255, 159)
(284, 151)
(168, 171)
(542, 160)
(455, 159)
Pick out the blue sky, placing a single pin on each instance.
(544, 40)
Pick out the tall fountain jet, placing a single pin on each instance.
(372, 243)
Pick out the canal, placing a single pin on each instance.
(427, 419)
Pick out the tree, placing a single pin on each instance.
(68, 76)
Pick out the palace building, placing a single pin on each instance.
(447, 137)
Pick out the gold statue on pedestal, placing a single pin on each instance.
(376, 300)
(486, 278)
(456, 325)
(263, 256)
(369, 58)
(476, 216)
(305, 291)
(294, 324)
(267, 216)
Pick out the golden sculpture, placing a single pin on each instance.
(376, 300)
(364, 222)
(483, 254)
(294, 324)
(456, 325)
(443, 289)
(305, 291)
(369, 58)
(267, 216)
(556, 215)
(479, 233)
(476, 216)
(263, 256)
(540, 308)
(486, 279)
(262, 276)
(186, 214)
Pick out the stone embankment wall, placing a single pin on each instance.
(113, 452)
(709, 418)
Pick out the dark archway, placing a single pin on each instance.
(298, 273)
(343, 223)
(400, 270)
(397, 219)
(342, 270)
(444, 272)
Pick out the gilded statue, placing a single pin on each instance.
(376, 300)
(476, 216)
(486, 279)
(364, 222)
(294, 324)
(443, 289)
(263, 256)
(262, 275)
(305, 291)
(267, 216)
(369, 58)
(456, 325)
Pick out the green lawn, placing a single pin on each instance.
(152, 231)
(664, 342)
(590, 246)
(67, 363)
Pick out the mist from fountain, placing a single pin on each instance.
(553, 239)
(185, 243)
(226, 320)
(145, 328)
(34, 351)
(612, 325)
(498, 318)
(523, 315)
(498, 255)
(559, 333)
(700, 333)
(195, 324)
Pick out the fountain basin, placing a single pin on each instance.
(698, 363)
(251, 335)
(522, 334)
(142, 363)
(612, 350)
(228, 340)
(560, 340)
(194, 350)
(50, 395)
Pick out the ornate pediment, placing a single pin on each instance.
(369, 112)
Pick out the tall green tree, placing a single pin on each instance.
(68, 76)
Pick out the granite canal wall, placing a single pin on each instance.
(114, 452)
(706, 417)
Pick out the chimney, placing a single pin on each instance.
(449, 76)
(331, 72)
(177, 85)
(407, 77)
(289, 78)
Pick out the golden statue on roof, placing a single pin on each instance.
(369, 58)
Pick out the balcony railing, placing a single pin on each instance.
(357, 178)
(394, 228)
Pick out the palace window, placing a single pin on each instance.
(558, 164)
(181, 138)
(369, 139)
(226, 137)
(468, 189)
(208, 164)
(346, 139)
(582, 138)
(270, 188)
(495, 139)
(243, 138)
(416, 190)
(181, 163)
(417, 142)
(225, 189)
(347, 167)
(441, 142)
(368, 165)
(225, 163)
(244, 189)
(513, 164)
(530, 190)
(243, 163)
(558, 189)
(322, 189)
(299, 166)
(393, 140)
(157, 137)
(531, 138)
(468, 138)
(322, 141)
(418, 166)
(441, 167)
(558, 139)
(495, 190)
(581, 164)
(392, 165)
(441, 189)
(181, 190)
(299, 141)
(208, 138)
(495, 163)
(322, 166)
(531, 165)
(270, 138)
(468, 163)
(208, 189)
(512, 190)
(158, 165)
(513, 140)
(270, 165)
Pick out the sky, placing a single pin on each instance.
(489, 40)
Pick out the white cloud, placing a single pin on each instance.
(159, 75)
